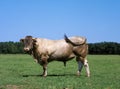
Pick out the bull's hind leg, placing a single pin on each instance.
(86, 65)
(80, 65)
(83, 61)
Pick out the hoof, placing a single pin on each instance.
(88, 75)
(44, 75)
(78, 73)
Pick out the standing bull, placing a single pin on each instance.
(45, 51)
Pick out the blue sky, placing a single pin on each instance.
(97, 20)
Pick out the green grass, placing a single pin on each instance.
(21, 72)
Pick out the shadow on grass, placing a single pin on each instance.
(51, 75)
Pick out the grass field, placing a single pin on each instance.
(21, 72)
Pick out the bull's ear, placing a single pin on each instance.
(22, 40)
(35, 42)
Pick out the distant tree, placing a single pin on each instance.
(11, 47)
(19, 47)
(104, 48)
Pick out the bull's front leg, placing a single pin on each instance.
(44, 65)
(44, 69)
(44, 58)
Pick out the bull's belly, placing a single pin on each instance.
(61, 57)
(64, 59)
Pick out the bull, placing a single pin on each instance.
(45, 50)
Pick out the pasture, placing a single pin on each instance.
(21, 72)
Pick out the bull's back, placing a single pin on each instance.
(55, 47)
(60, 50)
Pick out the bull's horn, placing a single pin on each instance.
(21, 40)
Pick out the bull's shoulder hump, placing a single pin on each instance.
(42, 39)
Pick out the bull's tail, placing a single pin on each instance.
(74, 44)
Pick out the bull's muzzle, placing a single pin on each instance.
(26, 49)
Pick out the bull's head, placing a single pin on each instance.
(29, 43)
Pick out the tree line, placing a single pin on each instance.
(11, 48)
(104, 48)
(94, 48)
